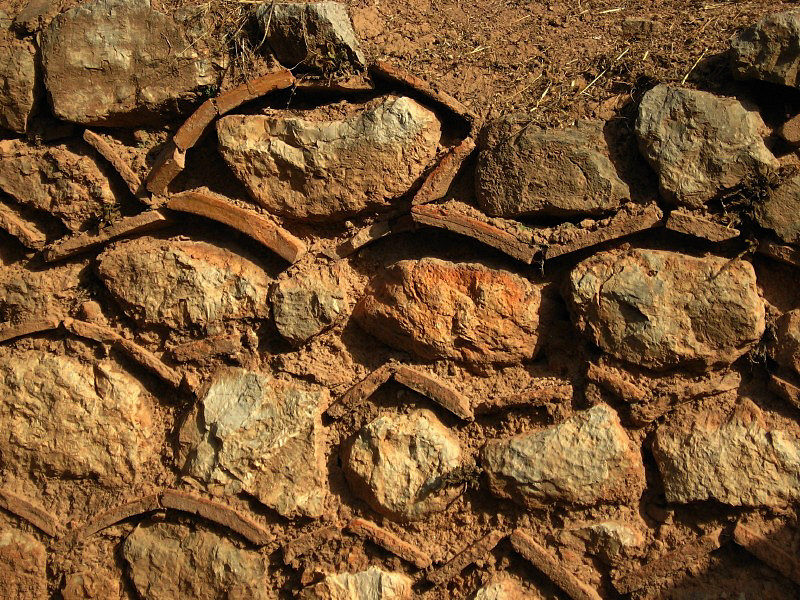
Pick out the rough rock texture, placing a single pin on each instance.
(610, 540)
(372, 584)
(740, 460)
(786, 347)
(700, 144)
(168, 561)
(769, 50)
(322, 169)
(547, 172)
(663, 309)
(23, 566)
(120, 63)
(314, 36)
(90, 585)
(506, 589)
(61, 179)
(262, 436)
(396, 464)
(180, 283)
(27, 295)
(19, 87)
(464, 311)
(73, 420)
(781, 211)
(585, 460)
(304, 307)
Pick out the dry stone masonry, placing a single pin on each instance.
(279, 319)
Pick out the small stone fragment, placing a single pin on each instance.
(36, 15)
(477, 550)
(768, 50)
(397, 463)
(168, 561)
(700, 144)
(663, 309)
(20, 86)
(780, 211)
(304, 307)
(786, 347)
(563, 172)
(389, 541)
(23, 566)
(27, 295)
(790, 131)
(372, 584)
(167, 166)
(90, 585)
(585, 460)
(610, 540)
(698, 225)
(319, 169)
(504, 589)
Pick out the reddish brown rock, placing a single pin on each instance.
(20, 88)
(23, 566)
(105, 149)
(90, 585)
(699, 225)
(475, 551)
(167, 166)
(31, 296)
(386, 539)
(786, 347)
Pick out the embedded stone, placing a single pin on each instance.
(505, 589)
(20, 86)
(769, 50)
(780, 211)
(305, 307)
(27, 294)
(786, 347)
(23, 566)
(372, 584)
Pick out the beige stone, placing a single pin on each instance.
(505, 589)
(20, 87)
(372, 584)
(786, 347)
(50, 293)
(23, 566)
(304, 307)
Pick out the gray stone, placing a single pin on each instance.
(315, 168)
(372, 584)
(663, 309)
(563, 172)
(586, 460)
(316, 36)
(305, 307)
(769, 50)
(121, 63)
(780, 211)
(262, 436)
(700, 144)
(396, 464)
(19, 83)
(168, 561)
(23, 566)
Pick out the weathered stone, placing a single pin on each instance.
(610, 540)
(504, 589)
(27, 294)
(90, 585)
(780, 211)
(74, 420)
(262, 436)
(663, 309)
(23, 566)
(786, 347)
(168, 561)
(59, 179)
(700, 144)
(180, 283)
(19, 86)
(585, 460)
(372, 584)
(121, 63)
(736, 459)
(35, 15)
(315, 36)
(305, 307)
(396, 464)
(563, 172)
(463, 311)
(769, 50)
(322, 169)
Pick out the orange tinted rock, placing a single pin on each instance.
(23, 566)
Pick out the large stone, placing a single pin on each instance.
(60, 179)
(19, 86)
(28, 295)
(168, 561)
(769, 50)
(372, 584)
(736, 459)
(303, 307)
(585, 460)
(397, 463)
(780, 211)
(786, 347)
(23, 566)
(312, 167)
(262, 436)
(563, 172)
(182, 283)
(663, 309)
(464, 311)
(121, 63)
(73, 420)
(700, 144)
(314, 36)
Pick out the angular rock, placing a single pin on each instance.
(464, 311)
(504, 589)
(315, 36)
(35, 15)
(786, 347)
(736, 459)
(23, 566)
(305, 307)
(74, 420)
(610, 540)
(397, 463)
(26, 295)
(663, 309)
(20, 86)
(563, 172)
(372, 584)
(262, 436)
(119, 63)
(700, 144)
(60, 179)
(168, 561)
(769, 50)
(315, 168)
(585, 460)
(780, 211)
(90, 585)
(181, 283)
